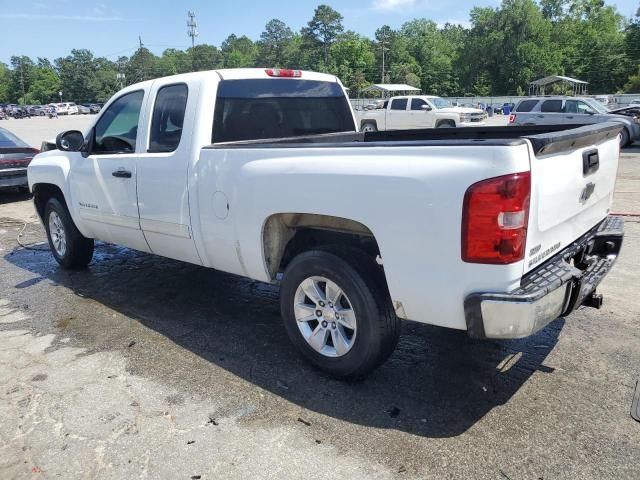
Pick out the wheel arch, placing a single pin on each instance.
(366, 121)
(284, 235)
(448, 121)
(42, 192)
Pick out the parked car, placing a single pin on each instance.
(572, 111)
(15, 156)
(3, 116)
(417, 112)
(66, 108)
(95, 107)
(37, 110)
(262, 173)
(84, 109)
(634, 102)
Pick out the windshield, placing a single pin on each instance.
(440, 102)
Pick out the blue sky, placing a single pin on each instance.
(50, 28)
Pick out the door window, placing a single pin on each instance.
(417, 103)
(551, 106)
(399, 104)
(168, 117)
(577, 106)
(117, 129)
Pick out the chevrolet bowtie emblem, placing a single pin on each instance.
(587, 191)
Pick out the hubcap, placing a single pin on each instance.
(325, 316)
(57, 233)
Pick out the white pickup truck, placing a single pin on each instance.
(417, 112)
(261, 173)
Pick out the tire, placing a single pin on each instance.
(625, 139)
(70, 249)
(369, 127)
(446, 124)
(363, 304)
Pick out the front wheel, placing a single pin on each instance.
(624, 138)
(69, 247)
(337, 312)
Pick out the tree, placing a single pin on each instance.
(323, 30)
(22, 72)
(45, 86)
(353, 57)
(76, 72)
(143, 65)
(273, 43)
(239, 52)
(5, 78)
(633, 85)
(204, 57)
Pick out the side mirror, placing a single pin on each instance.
(426, 108)
(70, 141)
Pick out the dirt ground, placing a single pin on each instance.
(143, 367)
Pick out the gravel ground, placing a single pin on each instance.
(150, 368)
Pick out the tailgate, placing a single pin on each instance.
(573, 174)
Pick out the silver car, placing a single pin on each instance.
(572, 111)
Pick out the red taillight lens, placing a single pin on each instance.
(283, 72)
(495, 215)
(512, 118)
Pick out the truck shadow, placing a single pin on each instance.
(11, 195)
(438, 383)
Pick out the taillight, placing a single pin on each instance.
(283, 72)
(494, 219)
(512, 118)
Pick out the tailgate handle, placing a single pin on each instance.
(590, 161)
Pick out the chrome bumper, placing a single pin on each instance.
(556, 288)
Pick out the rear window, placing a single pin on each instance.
(551, 106)
(276, 108)
(525, 105)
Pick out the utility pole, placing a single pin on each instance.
(140, 41)
(22, 80)
(383, 42)
(193, 27)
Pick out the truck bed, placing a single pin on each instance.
(545, 139)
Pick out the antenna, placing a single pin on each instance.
(193, 27)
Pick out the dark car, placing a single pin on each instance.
(15, 156)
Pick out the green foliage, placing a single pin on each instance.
(500, 52)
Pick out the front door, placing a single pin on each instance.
(103, 185)
(420, 117)
(397, 115)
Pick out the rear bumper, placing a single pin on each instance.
(555, 289)
(13, 177)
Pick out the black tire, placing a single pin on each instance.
(371, 126)
(625, 139)
(359, 277)
(79, 249)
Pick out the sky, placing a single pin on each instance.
(51, 28)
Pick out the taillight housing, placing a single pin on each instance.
(283, 72)
(495, 215)
(512, 118)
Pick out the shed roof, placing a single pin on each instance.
(557, 78)
(390, 87)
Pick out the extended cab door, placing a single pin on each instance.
(397, 116)
(420, 114)
(163, 170)
(103, 184)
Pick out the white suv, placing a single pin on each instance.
(68, 108)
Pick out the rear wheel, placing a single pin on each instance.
(369, 127)
(337, 312)
(69, 247)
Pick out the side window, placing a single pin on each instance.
(551, 106)
(526, 105)
(571, 106)
(168, 117)
(117, 129)
(417, 103)
(583, 107)
(399, 104)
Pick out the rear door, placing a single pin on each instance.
(571, 189)
(163, 171)
(550, 112)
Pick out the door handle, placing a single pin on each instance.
(540, 116)
(121, 173)
(570, 116)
